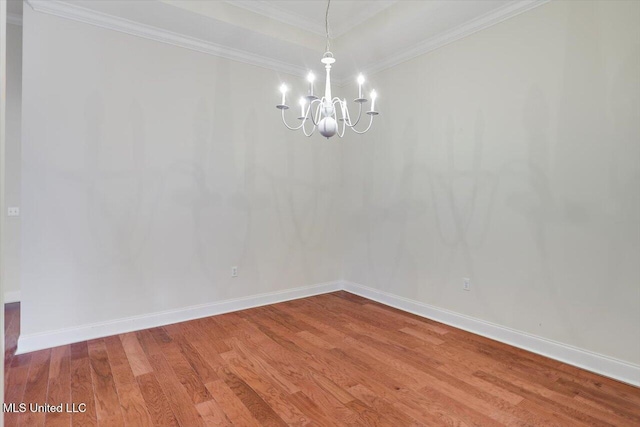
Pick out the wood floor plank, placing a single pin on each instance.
(581, 381)
(135, 355)
(456, 369)
(410, 320)
(179, 399)
(321, 360)
(406, 375)
(622, 417)
(339, 368)
(79, 350)
(566, 404)
(313, 411)
(366, 414)
(420, 408)
(15, 383)
(256, 378)
(36, 388)
(467, 414)
(261, 365)
(390, 414)
(260, 410)
(231, 405)
(82, 391)
(422, 335)
(157, 404)
(531, 396)
(59, 389)
(132, 403)
(212, 414)
(106, 396)
(618, 403)
(216, 333)
(329, 360)
(185, 373)
(204, 371)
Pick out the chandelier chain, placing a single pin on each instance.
(326, 24)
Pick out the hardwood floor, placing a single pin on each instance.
(334, 359)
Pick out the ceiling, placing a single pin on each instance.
(289, 36)
(310, 14)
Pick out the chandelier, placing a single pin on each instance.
(323, 112)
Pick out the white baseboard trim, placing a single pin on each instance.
(40, 341)
(590, 361)
(594, 362)
(11, 296)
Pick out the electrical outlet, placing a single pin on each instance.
(466, 284)
(234, 271)
(13, 211)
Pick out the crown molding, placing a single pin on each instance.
(103, 20)
(279, 14)
(291, 18)
(283, 15)
(14, 18)
(485, 21)
(361, 17)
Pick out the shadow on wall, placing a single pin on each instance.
(164, 219)
(555, 211)
(385, 222)
(462, 201)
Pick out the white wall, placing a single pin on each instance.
(149, 170)
(12, 173)
(511, 157)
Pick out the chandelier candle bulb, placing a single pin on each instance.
(283, 89)
(374, 95)
(360, 82)
(311, 77)
(302, 104)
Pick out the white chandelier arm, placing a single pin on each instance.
(304, 128)
(368, 127)
(348, 118)
(304, 131)
(345, 116)
(352, 125)
(317, 119)
(309, 115)
(289, 127)
(308, 134)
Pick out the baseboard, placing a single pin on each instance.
(39, 341)
(11, 296)
(594, 362)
